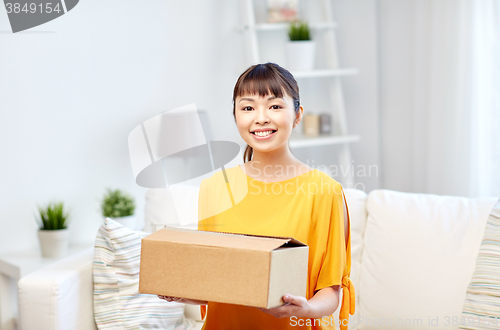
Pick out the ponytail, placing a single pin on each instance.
(247, 156)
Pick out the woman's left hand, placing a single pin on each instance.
(295, 306)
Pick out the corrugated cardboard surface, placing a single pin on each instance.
(230, 268)
(288, 274)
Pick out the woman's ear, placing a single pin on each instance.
(298, 116)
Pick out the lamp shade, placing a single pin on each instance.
(172, 147)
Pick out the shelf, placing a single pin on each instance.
(331, 71)
(325, 73)
(20, 263)
(304, 141)
(285, 26)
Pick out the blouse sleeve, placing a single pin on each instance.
(336, 266)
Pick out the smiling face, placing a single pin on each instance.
(265, 123)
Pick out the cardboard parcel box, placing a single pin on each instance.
(219, 267)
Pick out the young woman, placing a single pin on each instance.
(275, 194)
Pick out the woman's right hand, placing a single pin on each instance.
(183, 300)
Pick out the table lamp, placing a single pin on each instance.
(172, 147)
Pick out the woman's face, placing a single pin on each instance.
(265, 123)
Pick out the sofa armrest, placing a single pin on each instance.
(59, 296)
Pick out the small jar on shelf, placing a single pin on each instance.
(311, 125)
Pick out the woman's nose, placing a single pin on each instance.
(261, 117)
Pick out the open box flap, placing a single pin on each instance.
(218, 239)
(286, 238)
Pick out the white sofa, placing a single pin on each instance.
(412, 258)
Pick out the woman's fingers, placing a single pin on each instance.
(293, 300)
(167, 298)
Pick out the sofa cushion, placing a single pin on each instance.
(117, 303)
(356, 204)
(482, 304)
(418, 257)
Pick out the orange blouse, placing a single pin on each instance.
(308, 207)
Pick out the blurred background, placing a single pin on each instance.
(424, 103)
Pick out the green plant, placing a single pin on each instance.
(299, 31)
(116, 204)
(52, 217)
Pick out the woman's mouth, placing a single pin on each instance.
(263, 135)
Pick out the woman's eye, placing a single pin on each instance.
(247, 108)
(278, 107)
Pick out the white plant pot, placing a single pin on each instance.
(54, 243)
(128, 222)
(300, 55)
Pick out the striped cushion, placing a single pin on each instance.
(482, 303)
(117, 303)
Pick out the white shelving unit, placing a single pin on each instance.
(333, 73)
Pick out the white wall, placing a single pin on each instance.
(358, 47)
(70, 96)
(397, 32)
(72, 89)
(430, 77)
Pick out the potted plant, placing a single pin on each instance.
(119, 206)
(53, 233)
(300, 47)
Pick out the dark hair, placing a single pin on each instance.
(266, 79)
